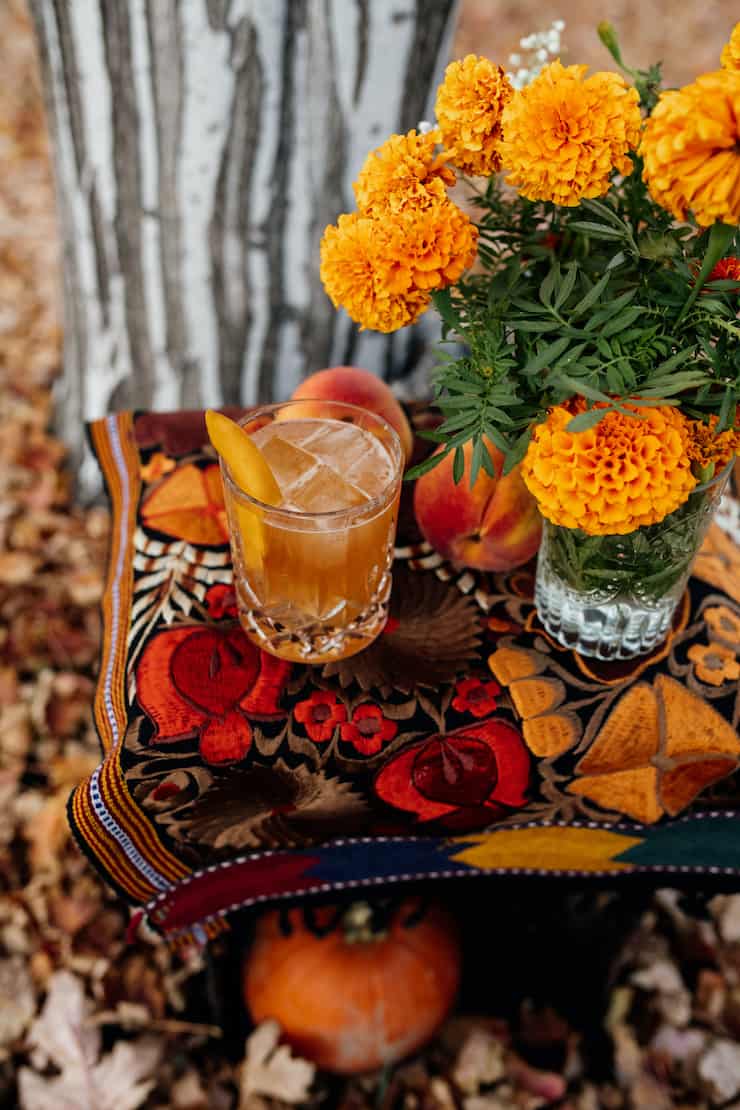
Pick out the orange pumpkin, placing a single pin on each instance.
(354, 993)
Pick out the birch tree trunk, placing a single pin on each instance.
(201, 146)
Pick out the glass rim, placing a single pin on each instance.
(349, 514)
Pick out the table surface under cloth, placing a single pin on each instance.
(463, 742)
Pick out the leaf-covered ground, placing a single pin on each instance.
(89, 1019)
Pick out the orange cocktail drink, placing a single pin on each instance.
(313, 572)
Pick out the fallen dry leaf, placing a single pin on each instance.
(17, 1000)
(480, 1062)
(17, 567)
(61, 1035)
(719, 1068)
(726, 912)
(270, 1069)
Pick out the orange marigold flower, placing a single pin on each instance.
(382, 271)
(727, 269)
(713, 663)
(352, 271)
(730, 58)
(625, 472)
(404, 170)
(429, 249)
(691, 149)
(469, 104)
(705, 447)
(565, 134)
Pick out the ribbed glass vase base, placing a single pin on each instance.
(600, 628)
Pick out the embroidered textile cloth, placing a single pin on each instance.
(463, 742)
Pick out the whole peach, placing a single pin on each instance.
(496, 525)
(359, 387)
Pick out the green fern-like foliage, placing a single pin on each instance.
(609, 301)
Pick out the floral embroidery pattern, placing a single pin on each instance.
(221, 601)
(713, 663)
(723, 624)
(189, 505)
(463, 779)
(368, 730)
(320, 714)
(659, 747)
(476, 697)
(374, 744)
(207, 682)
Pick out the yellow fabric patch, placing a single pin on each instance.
(547, 849)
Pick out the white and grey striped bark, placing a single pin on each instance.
(201, 146)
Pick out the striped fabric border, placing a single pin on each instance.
(104, 816)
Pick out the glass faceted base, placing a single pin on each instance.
(599, 624)
(613, 597)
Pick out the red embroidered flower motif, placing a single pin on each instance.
(464, 779)
(207, 682)
(320, 714)
(368, 730)
(476, 697)
(221, 602)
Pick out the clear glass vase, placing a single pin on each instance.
(613, 597)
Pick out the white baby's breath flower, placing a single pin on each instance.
(539, 47)
(424, 127)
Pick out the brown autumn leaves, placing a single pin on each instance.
(89, 1020)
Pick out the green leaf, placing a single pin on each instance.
(546, 356)
(566, 287)
(723, 419)
(443, 303)
(674, 361)
(458, 465)
(616, 260)
(669, 387)
(591, 297)
(610, 309)
(599, 231)
(570, 356)
(585, 390)
(425, 466)
(585, 420)
(514, 454)
(476, 460)
(606, 213)
(548, 285)
(622, 321)
(459, 401)
(532, 325)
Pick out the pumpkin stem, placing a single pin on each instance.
(359, 926)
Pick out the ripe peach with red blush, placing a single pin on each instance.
(354, 386)
(494, 526)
